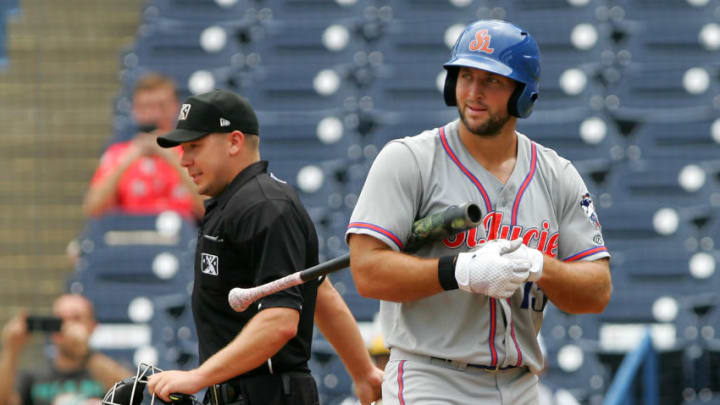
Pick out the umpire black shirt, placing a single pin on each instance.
(254, 232)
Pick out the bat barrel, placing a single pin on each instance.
(443, 224)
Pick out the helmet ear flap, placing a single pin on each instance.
(450, 85)
(514, 99)
(521, 101)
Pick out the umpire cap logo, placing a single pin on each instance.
(209, 264)
(184, 111)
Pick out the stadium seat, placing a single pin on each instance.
(205, 46)
(672, 28)
(691, 136)
(575, 134)
(647, 222)
(675, 85)
(197, 10)
(168, 230)
(313, 9)
(674, 179)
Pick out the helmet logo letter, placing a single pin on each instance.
(481, 42)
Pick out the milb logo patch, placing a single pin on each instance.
(209, 264)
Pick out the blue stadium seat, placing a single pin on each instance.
(167, 230)
(633, 222)
(647, 85)
(298, 135)
(681, 136)
(597, 174)
(197, 10)
(138, 264)
(161, 43)
(3, 34)
(295, 43)
(334, 383)
(673, 179)
(575, 134)
(667, 29)
(393, 124)
(313, 9)
(664, 267)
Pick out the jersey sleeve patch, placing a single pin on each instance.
(586, 203)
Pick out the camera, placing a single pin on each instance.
(39, 323)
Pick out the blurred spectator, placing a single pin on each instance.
(137, 176)
(75, 371)
(379, 353)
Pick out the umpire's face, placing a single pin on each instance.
(212, 160)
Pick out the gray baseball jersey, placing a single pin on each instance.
(545, 202)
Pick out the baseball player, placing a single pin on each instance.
(463, 328)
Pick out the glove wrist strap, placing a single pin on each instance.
(446, 273)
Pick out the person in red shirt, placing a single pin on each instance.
(137, 176)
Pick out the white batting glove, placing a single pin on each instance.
(534, 256)
(489, 271)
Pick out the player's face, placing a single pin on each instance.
(482, 99)
(206, 161)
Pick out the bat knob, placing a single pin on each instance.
(239, 299)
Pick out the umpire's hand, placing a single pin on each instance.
(369, 388)
(175, 381)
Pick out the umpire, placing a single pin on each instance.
(255, 230)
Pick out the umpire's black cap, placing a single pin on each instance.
(208, 113)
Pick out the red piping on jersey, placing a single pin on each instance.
(512, 333)
(585, 253)
(525, 183)
(488, 207)
(382, 231)
(401, 385)
(493, 353)
(448, 150)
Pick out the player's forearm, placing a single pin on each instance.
(106, 370)
(577, 287)
(337, 324)
(261, 338)
(392, 276)
(8, 369)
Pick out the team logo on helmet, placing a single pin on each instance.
(481, 43)
(587, 205)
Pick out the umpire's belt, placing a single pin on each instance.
(399, 354)
(231, 392)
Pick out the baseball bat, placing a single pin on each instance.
(437, 226)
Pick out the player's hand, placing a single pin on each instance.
(490, 271)
(369, 388)
(535, 257)
(175, 381)
(15, 334)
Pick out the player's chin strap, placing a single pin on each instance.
(130, 390)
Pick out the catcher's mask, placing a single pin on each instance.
(130, 390)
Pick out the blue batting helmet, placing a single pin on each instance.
(501, 48)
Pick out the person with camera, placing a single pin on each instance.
(75, 371)
(137, 176)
